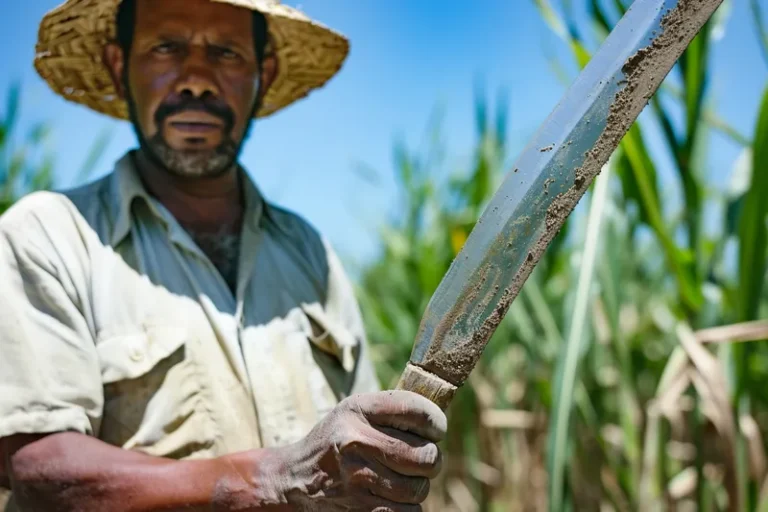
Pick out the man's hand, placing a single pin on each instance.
(374, 451)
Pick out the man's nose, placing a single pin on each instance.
(197, 77)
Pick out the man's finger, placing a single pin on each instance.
(402, 452)
(381, 481)
(403, 410)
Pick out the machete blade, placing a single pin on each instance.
(548, 179)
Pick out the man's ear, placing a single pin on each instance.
(114, 60)
(268, 74)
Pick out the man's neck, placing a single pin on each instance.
(204, 205)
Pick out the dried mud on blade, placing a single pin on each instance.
(549, 178)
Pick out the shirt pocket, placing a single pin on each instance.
(337, 348)
(155, 400)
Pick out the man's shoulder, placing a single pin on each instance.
(39, 207)
(292, 224)
(294, 231)
(43, 222)
(87, 198)
(62, 210)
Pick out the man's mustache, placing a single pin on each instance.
(178, 104)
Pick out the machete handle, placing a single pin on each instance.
(428, 385)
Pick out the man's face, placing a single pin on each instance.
(191, 83)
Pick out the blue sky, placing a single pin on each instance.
(407, 58)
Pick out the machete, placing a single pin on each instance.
(549, 178)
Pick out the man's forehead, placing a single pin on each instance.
(235, 22)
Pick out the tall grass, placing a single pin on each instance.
(641, 324)
(25, 164)
(28, 160)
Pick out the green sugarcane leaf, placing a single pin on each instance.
(566, 378)
(752, 231)
(552, 18)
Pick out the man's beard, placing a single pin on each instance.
(203, 163)
(208, 163)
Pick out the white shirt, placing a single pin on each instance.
(115, 324)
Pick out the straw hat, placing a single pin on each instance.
(72, 37)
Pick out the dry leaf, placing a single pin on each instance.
(747, 331)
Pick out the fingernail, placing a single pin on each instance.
(429, 454)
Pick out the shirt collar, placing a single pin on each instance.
(127, 186)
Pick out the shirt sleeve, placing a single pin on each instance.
(342, 303)
(50, 378)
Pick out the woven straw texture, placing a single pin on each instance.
(71, 39)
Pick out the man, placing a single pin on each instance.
(169, 340)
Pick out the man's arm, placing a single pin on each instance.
(51, 394)
(374, 451)
(71, 471)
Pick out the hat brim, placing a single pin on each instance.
(71, 39)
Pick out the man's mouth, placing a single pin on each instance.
(196, 127)
(195, 122)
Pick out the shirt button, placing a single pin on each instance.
(137, 354)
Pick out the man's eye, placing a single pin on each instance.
(226, 53)
(166, 48)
